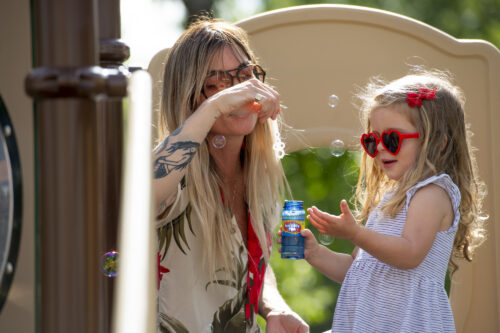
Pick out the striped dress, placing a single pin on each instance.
(376, 297)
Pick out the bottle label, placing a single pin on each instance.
(292, 226)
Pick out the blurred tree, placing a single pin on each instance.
(196, 7)
(460, 18)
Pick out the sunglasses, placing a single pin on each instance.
(219, 80)
(391, 140)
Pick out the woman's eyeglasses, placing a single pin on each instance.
(391, 140)
(219, 80)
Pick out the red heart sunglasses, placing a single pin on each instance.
(391, 140)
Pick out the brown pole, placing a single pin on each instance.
(112, 54)
(76, 218)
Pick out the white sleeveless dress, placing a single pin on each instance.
(376, 297)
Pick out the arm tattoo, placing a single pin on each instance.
(164, 144)
(168, 163)
(183, 151)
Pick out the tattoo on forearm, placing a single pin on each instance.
(178, 156)
(168, 163)
(177, 130)
(164, 144)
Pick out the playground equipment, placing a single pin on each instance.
(70, 217)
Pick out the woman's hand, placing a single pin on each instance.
(241, 99)
(285, 322)
(342, 226)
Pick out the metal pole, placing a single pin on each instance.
(72, 209)
(112, 53)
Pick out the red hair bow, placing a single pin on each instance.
(415, 99)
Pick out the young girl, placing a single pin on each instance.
(420, 201)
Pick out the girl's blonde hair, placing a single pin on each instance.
(186, 68)
(446, 148)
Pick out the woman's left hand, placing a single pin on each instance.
(285, 322)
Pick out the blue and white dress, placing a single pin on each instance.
(376, 297)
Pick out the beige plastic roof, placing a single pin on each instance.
(312, 52)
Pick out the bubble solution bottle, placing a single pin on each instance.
(293, 221)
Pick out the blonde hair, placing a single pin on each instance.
(186, 68)
(446, 148)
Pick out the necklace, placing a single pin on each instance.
(232, 185)
(232, 191)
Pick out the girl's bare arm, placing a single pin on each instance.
(429, 212)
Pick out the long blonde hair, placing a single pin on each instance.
(446, 148)
(186, 67)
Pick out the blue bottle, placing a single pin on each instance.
(292, 222)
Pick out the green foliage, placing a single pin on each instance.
(322, 180)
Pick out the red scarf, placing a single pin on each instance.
(256, 267)
(256, 270)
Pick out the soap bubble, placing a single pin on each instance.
(219, 141)
(325, 239)
(110, 263)
(279, 145)
(333, 100)
(337, 148)
(279, 149)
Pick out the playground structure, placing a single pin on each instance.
(311, 52)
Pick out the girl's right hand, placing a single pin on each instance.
(311, 245)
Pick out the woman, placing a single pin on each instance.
(218, 187)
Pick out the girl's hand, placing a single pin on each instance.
(240, 99)
(310, 244)
(342, 226)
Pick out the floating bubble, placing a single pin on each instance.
(333, 100)
(219, 141)
(325, 239)
(110, 263)
(279, 145)
(279, 148)
(337, 148)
